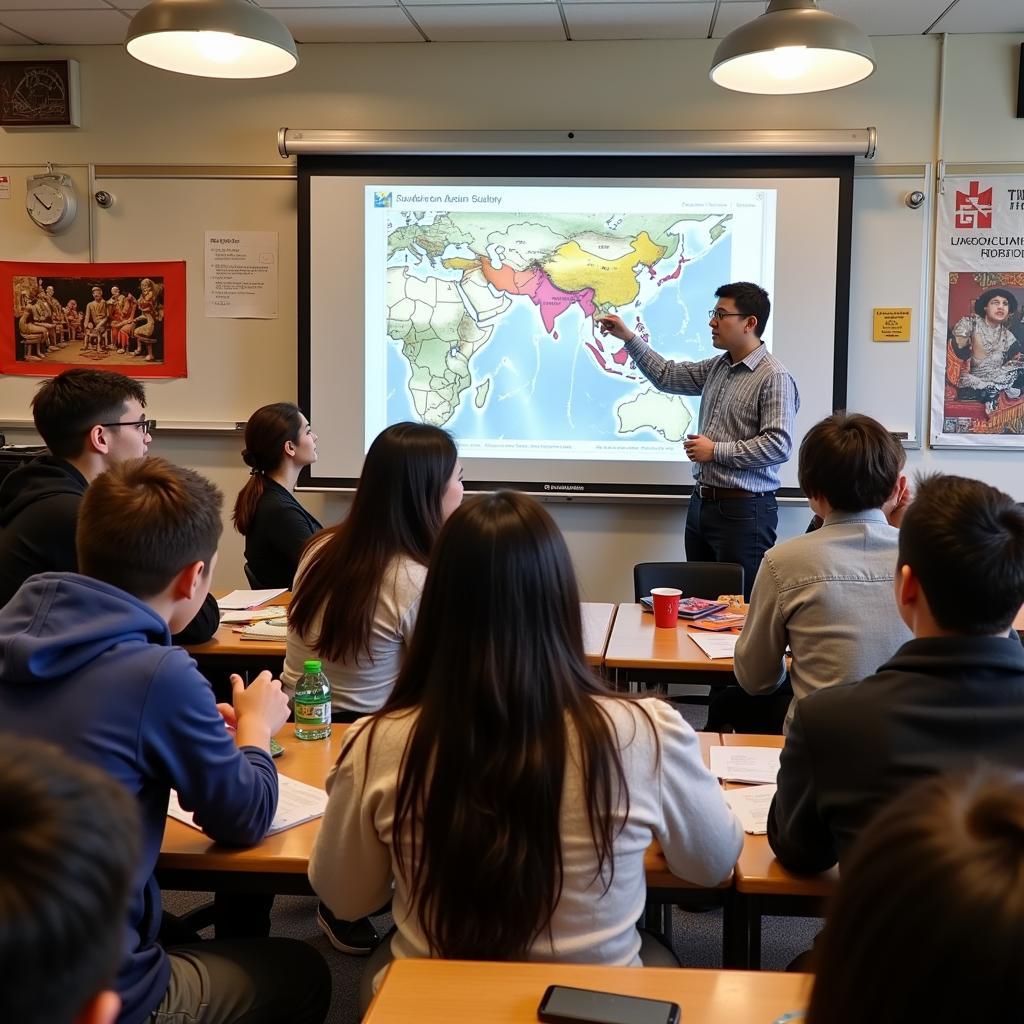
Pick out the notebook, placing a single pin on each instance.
(297, 803)
(270, 629)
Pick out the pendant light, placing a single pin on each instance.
(793, 48)
(212, 39)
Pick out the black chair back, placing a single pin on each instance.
(694, 579)
(251, 577)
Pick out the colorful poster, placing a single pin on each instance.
(128, 317)
(978, 335)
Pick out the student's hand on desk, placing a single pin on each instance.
(261, 708)
(698, 448)
(613, 325)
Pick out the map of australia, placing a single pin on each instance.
(491, 317)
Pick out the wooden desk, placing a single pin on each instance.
(191, 861)
(763, 885)
(1018, 623)
(453, 992)
(226, 643)
(636, 643)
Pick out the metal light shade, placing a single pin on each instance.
(793, 48)
(211, 38)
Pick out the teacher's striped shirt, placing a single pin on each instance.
(747, 409)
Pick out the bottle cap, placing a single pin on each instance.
(311, 666)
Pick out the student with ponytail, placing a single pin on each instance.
(507, 792)
(279, 443)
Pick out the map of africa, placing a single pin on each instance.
(490, 321)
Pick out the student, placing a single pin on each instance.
(507, 792)
(358, 585)
(90, 420)
(358, 588)
(279, 444)
(70, 840)
(86, 662)
(950, 697)
(928, 921)
(826, 595)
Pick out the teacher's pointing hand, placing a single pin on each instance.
(613, 325)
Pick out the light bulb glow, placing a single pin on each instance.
(787, 62)
(219, 47)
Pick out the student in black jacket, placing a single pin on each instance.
(949, 699)
(279, 443)
(90, 420)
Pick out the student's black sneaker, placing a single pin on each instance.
(357, 938)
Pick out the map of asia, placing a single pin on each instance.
(491, 324)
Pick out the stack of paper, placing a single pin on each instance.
(297, 802)
(746, 764)
(751, 805)
(271, 611)
(271, 629)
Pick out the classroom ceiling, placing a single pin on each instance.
(97, 22)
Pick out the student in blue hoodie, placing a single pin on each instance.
(86, 662)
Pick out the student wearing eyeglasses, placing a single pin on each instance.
(748, 404)
(90, 420)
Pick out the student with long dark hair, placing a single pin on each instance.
(279, 443)
(358, 586)
(928, 921)
(509, 795)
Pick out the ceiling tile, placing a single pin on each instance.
(983, 16)
(639, 20)
(348, 24)
(732, 15)
(892, 18)
(320, 4)
(477, 3)
(71, 28)
(9, 38)
(490, 23)
(42, 8)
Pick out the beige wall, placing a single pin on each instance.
(135, 114)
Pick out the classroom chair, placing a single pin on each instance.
(694, 579)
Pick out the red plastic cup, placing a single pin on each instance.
(666, 606)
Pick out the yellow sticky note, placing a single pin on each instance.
(891, 325)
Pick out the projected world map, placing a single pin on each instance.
(490, 321)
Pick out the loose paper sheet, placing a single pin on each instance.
(746, 764)
(241, 274)
(751, 805)
(716, 645)
(297, 803)
(239, 599)
(272, 611)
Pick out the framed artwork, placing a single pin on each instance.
(39, 94)
(128, 317)
(978, 332)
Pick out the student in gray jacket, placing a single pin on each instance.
(828, 595)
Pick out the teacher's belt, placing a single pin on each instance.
(706, 493)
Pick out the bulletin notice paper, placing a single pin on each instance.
(297, 803)
(241, 274)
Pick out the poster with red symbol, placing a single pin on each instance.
(128, 317)
(978, 336)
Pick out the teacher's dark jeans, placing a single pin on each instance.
(737, 530)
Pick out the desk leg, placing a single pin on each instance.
(754, 912)
(657, 919)
(735, 936)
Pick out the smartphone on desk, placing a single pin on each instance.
(564, 1005)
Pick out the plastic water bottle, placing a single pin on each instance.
(312, 704)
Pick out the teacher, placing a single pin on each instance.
(748, 404)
